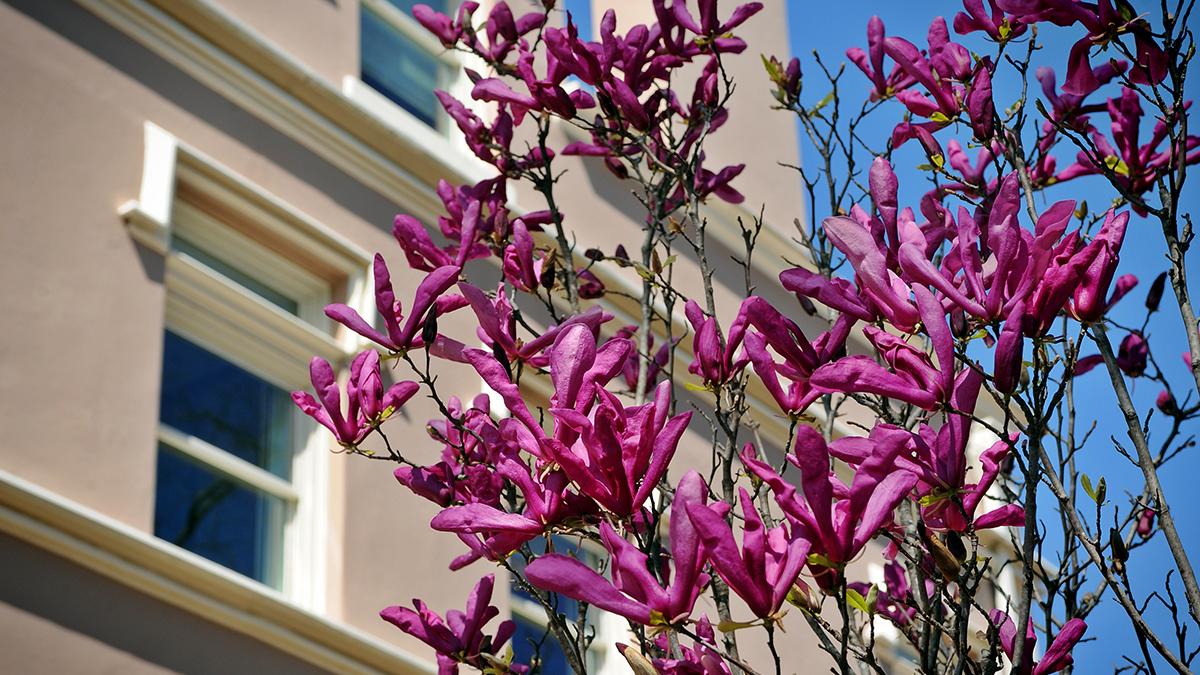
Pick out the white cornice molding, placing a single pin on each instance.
(179, 578)
(208, 44)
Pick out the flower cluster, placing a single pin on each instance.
(940, 310)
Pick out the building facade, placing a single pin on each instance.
(186, 184)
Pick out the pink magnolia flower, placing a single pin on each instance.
(521, 269)
(838, 529)
(1136, 165)
(1071, 108)
(1103, 23)
(800, 357)
(716, 360)
(498, 327)
(942, 71)
(367, 404)
(995, 23)
(459, 639)
(911, 376)
(401, 338)
(1090, 299)
(635, 592)
(762, 571)
(617, 454)
(895, 599)
(871, 63)
(472, 446)
(1056, 658)
(493, 533)
(633, 364)
(699, 659)
(1166, 403)
(1133, 354)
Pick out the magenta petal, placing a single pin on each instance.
(482, 519)
(1058, 656)
(560, 574)
(1009, 515)
(886, 497)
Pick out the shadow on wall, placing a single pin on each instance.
(104, 42)
(94, 606)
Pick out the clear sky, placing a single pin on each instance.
(832, 27)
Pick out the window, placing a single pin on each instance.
(241, 475)
(581, 15)
(399, 59)
(532, 635)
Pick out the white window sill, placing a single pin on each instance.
(428, 140)
(182, 579)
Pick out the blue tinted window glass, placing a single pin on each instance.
(235, 275)
(581, 15)
(406, 6)
(210, 398)
(525, 641)
(218, 518)
(398, 69)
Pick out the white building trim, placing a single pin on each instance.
(182, 579)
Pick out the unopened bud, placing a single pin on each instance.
(1166, 403)
(1154, 295)
(1145, 523)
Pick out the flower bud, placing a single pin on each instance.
(1166, 403)
(1132, 355)
(1145, 523)
(1154, 295)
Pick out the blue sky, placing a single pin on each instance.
(832, 27)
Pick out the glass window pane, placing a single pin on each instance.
(406, 6)
(210, 398)
(581, 15)
(235, 275)
(398, 69)
(525, 644)
(214, 516)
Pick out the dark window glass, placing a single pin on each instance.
(529, 634)
(210, 398)
(526, 640)
(216, 517)
(397, 68)
(235, 275)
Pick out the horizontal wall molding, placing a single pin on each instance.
(182, 579)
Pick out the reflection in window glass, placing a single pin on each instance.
(532, 637)
(218, 518)
(210, 398)
(397, 68)
(235, 275)
(526, 641)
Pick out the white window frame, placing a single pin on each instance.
(449, 76)
(238, 325)
(443, 139)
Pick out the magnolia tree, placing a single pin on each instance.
(983, 297)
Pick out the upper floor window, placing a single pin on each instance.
(233, 517)
(398, 59)
(241, 475)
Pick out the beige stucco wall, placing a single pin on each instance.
(81, 334)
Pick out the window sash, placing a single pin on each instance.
(411, 31)
(228, 464)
